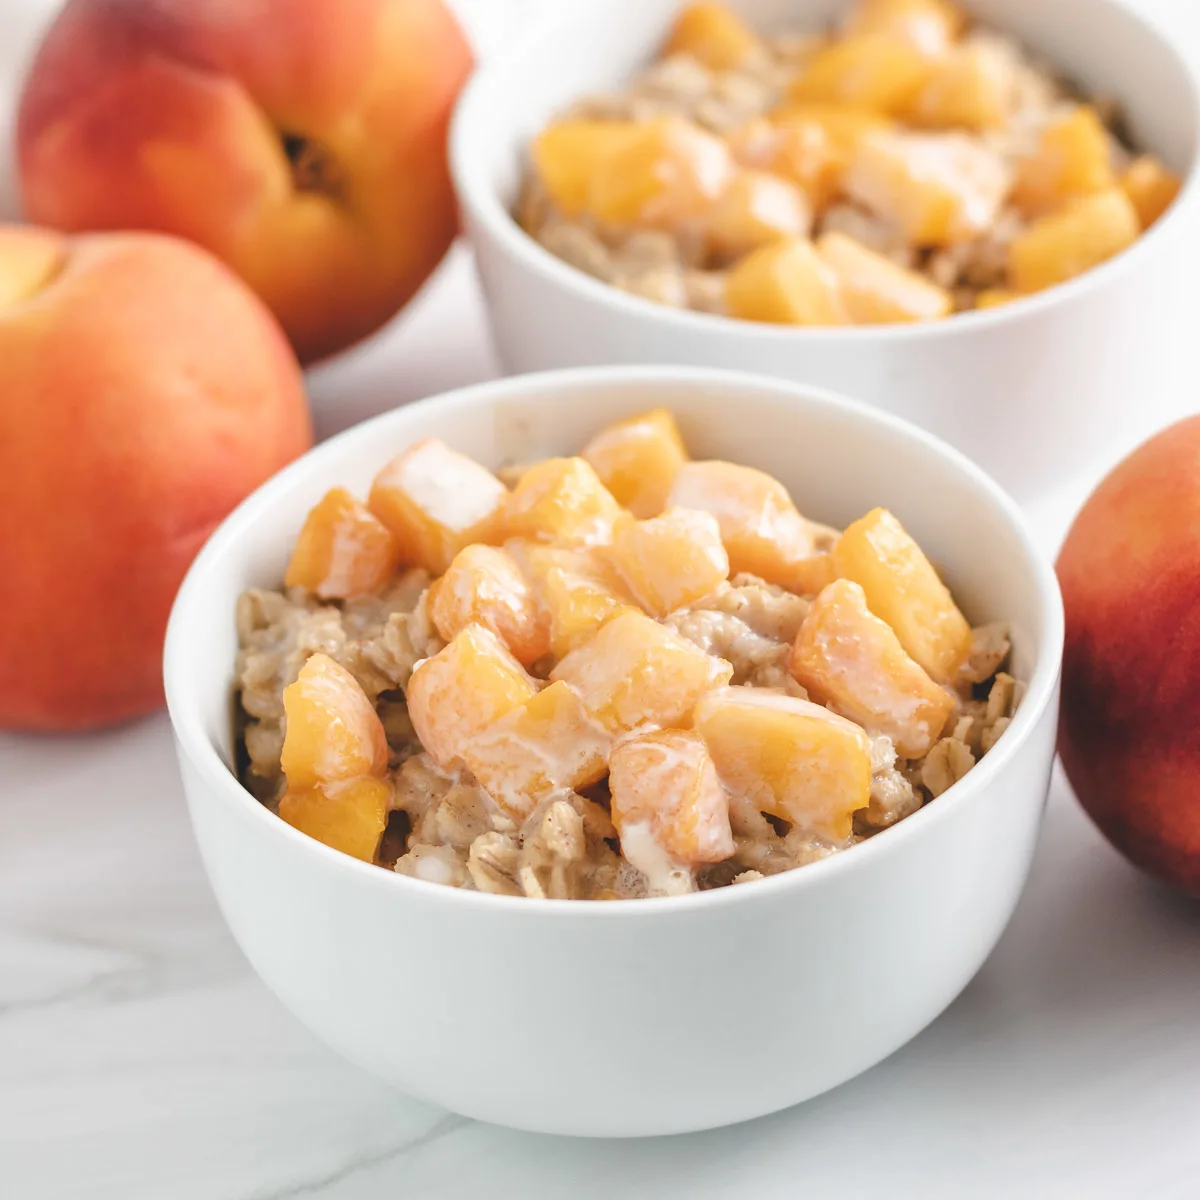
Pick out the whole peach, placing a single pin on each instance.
(302, 142)
(144, 391)
(1130, 729)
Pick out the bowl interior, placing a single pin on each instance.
(594, 45)
(837, 458)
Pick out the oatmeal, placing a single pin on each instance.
(625, 674)
(903, 166)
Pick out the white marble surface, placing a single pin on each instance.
(140, 1059)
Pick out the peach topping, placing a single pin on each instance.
(666, 779)
(436, 501)
(851, 660)
(333, 732)
(582, 642)
(791, 758)
(637, 460)
(343, 550)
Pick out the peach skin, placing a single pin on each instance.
(301, 142)
(1129, 733)
(146, 392)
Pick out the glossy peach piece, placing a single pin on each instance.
(568, 154)
(1066, 243)
(437, 501)
(332, 731)
(970, 88)
(875, 72)
(791, 758)
(343, 550)
(349, 817)
(1073, 158)
(1151, 188)
(561, 500)
(547, 744)
(485, 585)
(785, 283)
(847, 658)
(577, 590)
(875, 290)
(903, 589)
(670, 561)
(757, 208)
(937, 189)
(637, 460)
(467, 686)
(714, 35)
(929, 25)
(634, 672)
(762, 532)
(666, 780)
(669, 172)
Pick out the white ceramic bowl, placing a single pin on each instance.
(1033, 391)
(649, 1016)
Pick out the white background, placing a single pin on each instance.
(140, 1059)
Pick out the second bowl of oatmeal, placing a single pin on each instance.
(811, 896)
(808, 167)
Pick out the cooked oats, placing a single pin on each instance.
(561, 834)
(977, 115)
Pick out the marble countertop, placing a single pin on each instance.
(141, 1059)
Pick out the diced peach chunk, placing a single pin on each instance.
(332, 732)
(849, 659)
(929, 25)
(561, 500)
(436, 501)
(460, 691)
(970, 88)
(760, 527)
(809, 144)
(666, 780)
(568, 154)
(796, 150)
(670, 171)
(1073, 158)
(878, 291)
(549, 743)
(670, 561)
(996, 297)
(634, 672)
(785, 283)
(638, 459)
(936, 189)
(486, 586)
(349, 817)
(343, 550)
(903, 589)
(1081, 235)
(790, 758)
(578, 592)
(1151, 187)
(876, 72)
(714, 34)
(757, 208)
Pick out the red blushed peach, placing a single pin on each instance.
(302, 142)
(145, 392)
(1130, 729)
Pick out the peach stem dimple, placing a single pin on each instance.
(313, 166)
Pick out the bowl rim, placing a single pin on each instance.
(479, 199)
(221, 785)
